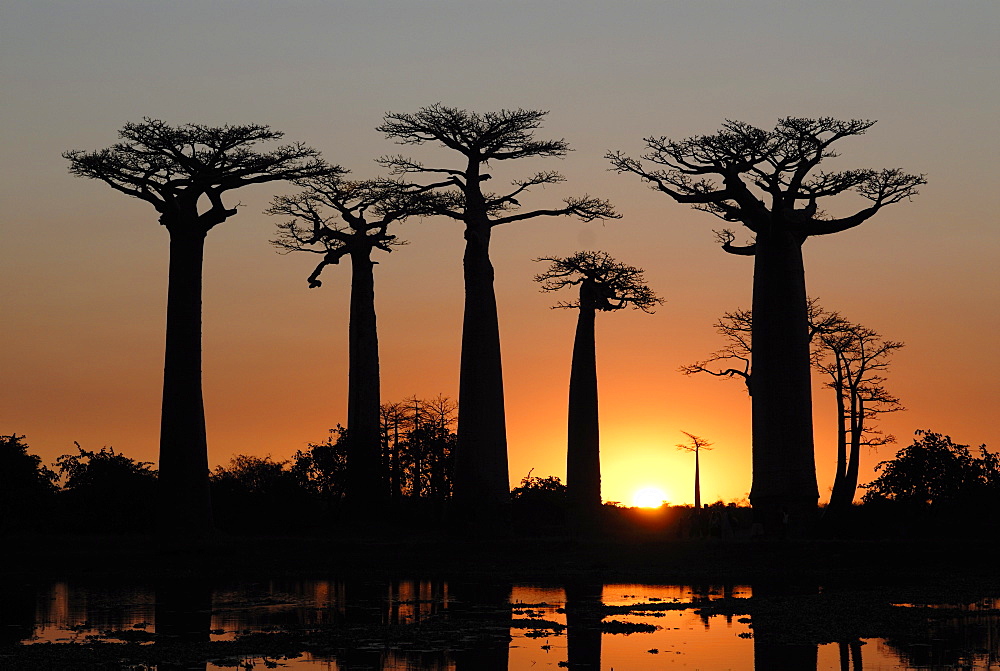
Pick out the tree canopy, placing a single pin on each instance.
(482, 138)
(172, 167)
(614, 285)
(765, 178)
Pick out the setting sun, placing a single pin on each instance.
(649, 497)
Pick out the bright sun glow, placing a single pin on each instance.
(649, 497)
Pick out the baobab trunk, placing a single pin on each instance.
(583, 453)
(482, 484)
(784, 492)
(366, 481)
(185, 506)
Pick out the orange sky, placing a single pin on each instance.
(84, 269)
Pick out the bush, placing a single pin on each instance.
(27, 489)
(539, 503)
(935, 487)
(106, 490)
(259, 493)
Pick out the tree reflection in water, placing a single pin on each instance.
(183, 615)
(584, 601)
(771, 650)
(970, 639)
(392, 625)
(482, 604)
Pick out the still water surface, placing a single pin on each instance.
(519, 626)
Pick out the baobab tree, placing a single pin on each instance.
(183, 172)
(768, 181)
(852, 356)
(854, 359)
(733, 360)
(695, 444)
(481, 487)
(338, 218)
(605, 285)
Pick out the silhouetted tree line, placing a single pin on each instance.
(766, 180)
(931, 487)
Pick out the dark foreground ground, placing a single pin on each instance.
(805, 591)
(946, 563)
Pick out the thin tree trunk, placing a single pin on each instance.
(366, 481)
(784, 492)
(482, 483)
(697, 480)
(843, 495)
(837, 495)
(185, 506)
(854, 461)
(397, 476)
(583, 456)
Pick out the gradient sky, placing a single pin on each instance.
(84, 267)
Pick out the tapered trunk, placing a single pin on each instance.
(366, 481)
(185, 506)
(697, 479)
(583, 457)
(784, 492)
(482, 485)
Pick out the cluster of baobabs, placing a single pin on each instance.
(766, 180)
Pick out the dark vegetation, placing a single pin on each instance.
(933, 488)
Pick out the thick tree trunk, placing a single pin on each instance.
(583, 453)
(784, 492)
(482, 484)
(366, 480)
(185, 506)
